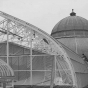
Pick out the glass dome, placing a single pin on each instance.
(6, 75)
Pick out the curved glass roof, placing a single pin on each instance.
(21, 33)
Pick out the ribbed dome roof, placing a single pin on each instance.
(72, 31)
(70, 23)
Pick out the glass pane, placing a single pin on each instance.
(22, 77)
(16, 76)
(62, 64)
(26, 51)
(24, 63)
(2, 48)
(20, 63)
(37, 77)
(14, 63)
(37, 52)
(65, 77)
(4, 58)
(47, 78)
(17, 50)
(42, 62)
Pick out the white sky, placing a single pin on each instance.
(44, 14)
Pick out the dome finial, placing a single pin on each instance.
(72, 10)
(72, 13)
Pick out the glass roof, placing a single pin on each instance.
(23, 35)
(26, 35)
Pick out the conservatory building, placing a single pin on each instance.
(37, 59)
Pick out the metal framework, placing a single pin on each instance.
(23, 34)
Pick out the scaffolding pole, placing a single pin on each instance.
(31, 59)
(52, 73)
(7, 42)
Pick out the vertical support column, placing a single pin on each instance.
(31, 59)
(7, 42)
(75, 44)
(52, 73)
(44, 69)
(55, 67)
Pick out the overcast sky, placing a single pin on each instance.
(44, 14)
